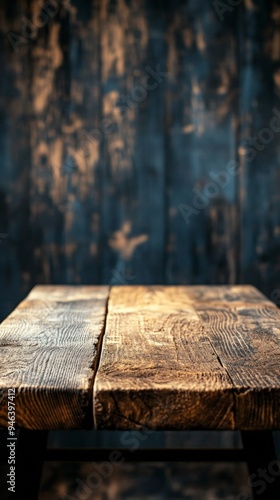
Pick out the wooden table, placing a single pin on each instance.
(143, 357)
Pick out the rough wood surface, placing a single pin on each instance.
(189, 357)
(49, 348)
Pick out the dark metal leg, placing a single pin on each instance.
(30, 451)
(264, 468)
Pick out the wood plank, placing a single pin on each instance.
(15, 152)
(133, 150)
(189, 357)
(49, 348)
(245, 335)
(66, 133)
(259, 145)
(201, 122)
(157, 367)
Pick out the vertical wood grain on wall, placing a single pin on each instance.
(95, 165)
(132, 46)
(259, 87)
(15, 243)
(201, 129)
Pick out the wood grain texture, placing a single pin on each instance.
(189, 358)
(133, 149)
(259, 143)
(201, 122)
(65, 143)
(49, 348)
(16, 249)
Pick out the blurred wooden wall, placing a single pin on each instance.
(101, 162)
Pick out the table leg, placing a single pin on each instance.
(30, 451)
(263, 464)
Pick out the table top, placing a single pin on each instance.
(134, 357)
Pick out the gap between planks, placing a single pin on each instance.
(96, 362)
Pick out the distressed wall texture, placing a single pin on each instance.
(115, 117)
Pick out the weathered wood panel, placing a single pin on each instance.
(65, 145)
(201, 121)
(259, 114)
(132, 80)
(244, 331)
(189, 358)
(49, 349)
(15, 153)
(95, 167)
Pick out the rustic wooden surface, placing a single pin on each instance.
(49, 349)
(88, 201)
(176, 357)
(189, 357)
